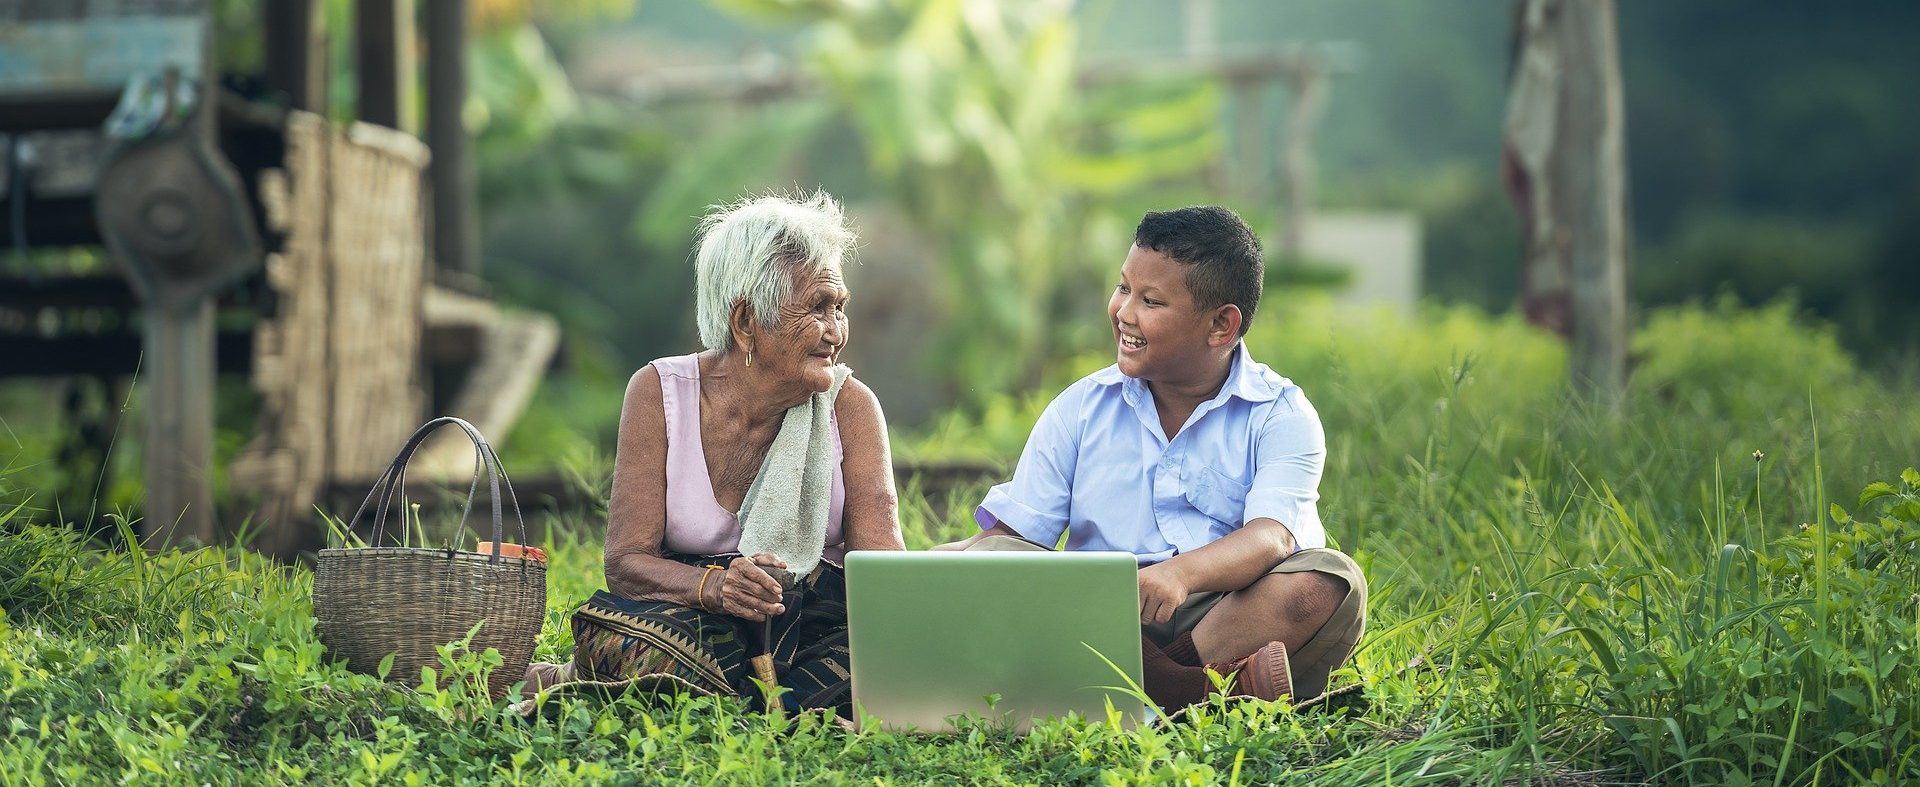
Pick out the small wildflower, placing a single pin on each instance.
(1803, 526)
(1492, 596)
(1758, 455)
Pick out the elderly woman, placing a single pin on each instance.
(703, 436)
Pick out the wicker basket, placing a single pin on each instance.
(372, 601)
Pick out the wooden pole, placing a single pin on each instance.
(1309, 92)
(296, 52)
(1565, 166)
(383, 40)
(178, 347)
(456, 238)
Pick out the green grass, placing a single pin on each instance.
(1587, 596)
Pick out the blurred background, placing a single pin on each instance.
(487, 207)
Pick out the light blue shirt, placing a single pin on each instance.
(1099, 467)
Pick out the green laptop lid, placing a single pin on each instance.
(1012, 636)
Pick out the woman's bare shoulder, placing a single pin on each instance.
(858, 407)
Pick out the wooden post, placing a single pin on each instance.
(296, 52)
(383, 37)
(456, 238)
(179, 453)
(1308, 87)
(1565, 169)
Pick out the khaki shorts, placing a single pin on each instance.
(1327, 650)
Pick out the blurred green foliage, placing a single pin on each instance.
(970, 118)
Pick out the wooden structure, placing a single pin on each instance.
(337, 364)
(326, 313)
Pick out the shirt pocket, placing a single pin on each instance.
(1218, 495)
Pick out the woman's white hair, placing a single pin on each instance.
(755, 248)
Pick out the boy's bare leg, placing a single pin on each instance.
(1289, 608)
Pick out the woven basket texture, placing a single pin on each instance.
(379, 600)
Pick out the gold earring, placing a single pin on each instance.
(749, 359)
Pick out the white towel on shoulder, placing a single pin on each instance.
(785, 511)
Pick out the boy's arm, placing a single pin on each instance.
(1036, 504)
(998, 529)
(1233, 562)
(1280, 514)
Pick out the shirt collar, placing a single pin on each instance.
(1245, 379)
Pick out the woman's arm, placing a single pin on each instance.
(637, 523)
(637, 511)
(872, 511)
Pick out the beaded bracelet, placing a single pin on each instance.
(700, 591)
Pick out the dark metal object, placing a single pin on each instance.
(174, 215)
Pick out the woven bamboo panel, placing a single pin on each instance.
(377, 271)
(285, 463)
(337, 364)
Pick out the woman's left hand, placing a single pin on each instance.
(747, 591)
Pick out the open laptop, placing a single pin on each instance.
(1009, 636)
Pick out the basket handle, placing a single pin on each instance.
(395, 478)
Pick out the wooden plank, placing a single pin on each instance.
(106, 354)
(53, 222)
(87, 48)
(513, 359)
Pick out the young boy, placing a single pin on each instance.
(1201, 462)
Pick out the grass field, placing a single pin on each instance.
(1715, 582)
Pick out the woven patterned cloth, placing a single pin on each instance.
(619, 640)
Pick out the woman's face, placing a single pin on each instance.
(809, 331)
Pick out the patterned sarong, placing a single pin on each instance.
(620, 639)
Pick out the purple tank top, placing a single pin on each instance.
(696, 524)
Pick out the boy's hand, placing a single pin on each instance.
(1162, 590)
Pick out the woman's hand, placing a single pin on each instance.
(747, 591)
(1162, 590)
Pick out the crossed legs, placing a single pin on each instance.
(1288, 608)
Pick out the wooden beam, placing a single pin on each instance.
(105, 354)
(383, 40)
(456, 235)
(296, 52)
(55, 111)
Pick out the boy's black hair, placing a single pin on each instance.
(1220, 251)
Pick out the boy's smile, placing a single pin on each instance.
(1158, 332)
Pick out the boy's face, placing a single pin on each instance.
(1160, 331)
